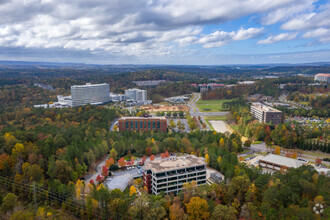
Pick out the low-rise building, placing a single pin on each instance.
(266, 114)
(117, 97)
(246, 82)
(177, 99)
(217, 177)
(171, 173)
(149, 82)
(142, 124)
(278, 163)
(206, 87)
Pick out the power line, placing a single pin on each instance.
(37, 191)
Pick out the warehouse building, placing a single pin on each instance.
(278, 163)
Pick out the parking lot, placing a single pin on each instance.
(120, 179)
(254, 161)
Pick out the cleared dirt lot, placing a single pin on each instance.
(165, 108)
(221, 126)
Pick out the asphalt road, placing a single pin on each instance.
(282, 98)
(262, 148)
(113, 124)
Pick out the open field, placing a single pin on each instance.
(165, 108)
(234, 126)
(216, 117)
(212, 105)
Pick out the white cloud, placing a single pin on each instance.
(323, 34)
(142, 27)
(310, 20)
(221, 38)
(278, 38)
(288, 11)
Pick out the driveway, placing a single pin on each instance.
(113, 123)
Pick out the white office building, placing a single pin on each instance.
(90, 94)
(117, 97)
(322, 77)
(137, 95)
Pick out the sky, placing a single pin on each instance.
(189, 32)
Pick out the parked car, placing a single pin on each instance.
(302, 160)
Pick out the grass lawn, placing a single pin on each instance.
(234, 127)
(215, 117)
(208, 123)
(212, 105)
(304, 103)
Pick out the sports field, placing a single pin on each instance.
(212, 105)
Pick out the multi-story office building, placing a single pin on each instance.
(136, 95)
(266, 114)
(323, 77)
(142, 124)
(170, 174)
(90, 94)
(117, 97)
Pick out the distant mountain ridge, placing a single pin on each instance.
(39, 64)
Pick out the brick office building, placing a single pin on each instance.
(142, 124)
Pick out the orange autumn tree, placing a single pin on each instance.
(144, 158)
(122, 162)
(198, 208)
(152, 157)
(109, 162)
(277, 150)
(167, 154)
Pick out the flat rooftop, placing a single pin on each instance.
(89, 85)
(174, 163)
(264, 108)
(134, 118)
(323, 74)
(280, 160)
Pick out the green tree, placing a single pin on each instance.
(172, 124)
(140, 207)
(113, 154)
(8, 202)
(118, 208)
(222, 212)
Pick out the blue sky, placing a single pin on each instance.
(208, 32)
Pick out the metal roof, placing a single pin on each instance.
(283, 161)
